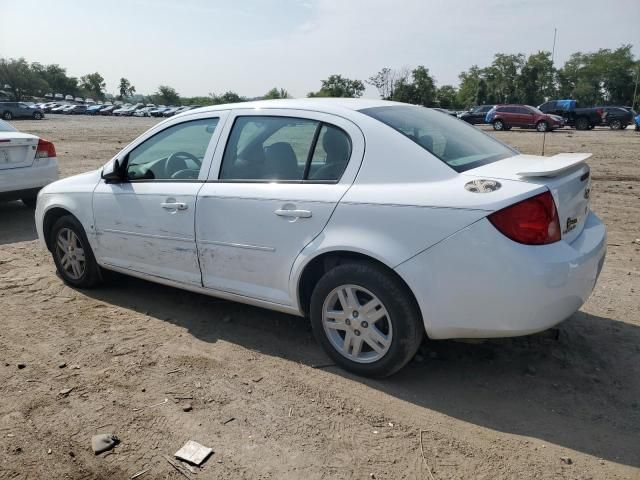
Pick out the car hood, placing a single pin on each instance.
(84, 182)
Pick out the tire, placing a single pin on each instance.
(398, 319)
(30, 202)
(582, 123)
(37, 116)
(507, 128)
(7, 116)
(615, 125)
(542, 126)
(498, 125)
(87, 274)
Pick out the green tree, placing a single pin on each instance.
(339, 86)
(23, 81)
(502, 78)
(166, 96)
(56, 78)
(125, 88)
(424, 85)
(470, 86)
(447, 97)
(536, 82)
(93, 84)
(276, 93)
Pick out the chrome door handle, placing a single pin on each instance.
(293, 213)
(174, 205)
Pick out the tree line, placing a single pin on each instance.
(594, 78)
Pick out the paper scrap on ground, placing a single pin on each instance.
(193, 452)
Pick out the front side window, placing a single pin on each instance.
(458, 144)
(175, 153)
(263, 148)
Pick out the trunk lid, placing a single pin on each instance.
(17, 150)
(566, 175)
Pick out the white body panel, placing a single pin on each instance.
(395, 203)
(20, 171)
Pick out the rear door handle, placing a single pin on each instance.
(293, 213)
(174, 205)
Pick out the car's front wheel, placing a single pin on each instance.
(366, 319)
(37, 116)
(542, 126)
(498, 125)
(72, 253)
(7, 116)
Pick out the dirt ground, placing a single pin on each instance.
(564, 404)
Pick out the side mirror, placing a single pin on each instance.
(111, 172)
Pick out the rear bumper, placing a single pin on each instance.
(479, 284)
(13, 181)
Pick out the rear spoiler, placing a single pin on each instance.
(552, 166)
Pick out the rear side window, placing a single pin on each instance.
(456, 143)
(263, 148)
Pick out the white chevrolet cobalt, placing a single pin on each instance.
(380, 221)
(27, 163)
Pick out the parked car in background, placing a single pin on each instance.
(505, 117)
(170, 111)
(27, 163)
(76, 110)
(157, 112)
(59, 108)
(447, 111)
(94, 109)
(108, 110)
(49, 106)
(476, 115)
(11, 110)
(617, 118)
(507, 246)
(580, 118)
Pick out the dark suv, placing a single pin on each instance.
(504, 117)
(476, 115)
(11, 110)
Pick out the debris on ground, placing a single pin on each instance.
(65, 391)
(566, 460)
(62, 365)
(21, 365)
(187, 407)
(103, 442)
(193, 453)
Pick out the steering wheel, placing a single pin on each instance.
(176, 163)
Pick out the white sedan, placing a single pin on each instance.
(27, 163)
(380, 221)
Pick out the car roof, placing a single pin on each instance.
(326, 104)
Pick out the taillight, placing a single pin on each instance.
(533, 221)
(45, 149)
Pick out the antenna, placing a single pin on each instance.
(553, 54)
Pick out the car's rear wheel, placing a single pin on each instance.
(615, 125)
(582, 123)
(366, 319)
(498, 125)
(37, 116)
(7, 116)
(542, 126)
(72, 253)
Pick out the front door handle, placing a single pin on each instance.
(174, 205)
(293, 213)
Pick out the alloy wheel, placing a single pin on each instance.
(357, 324)
(70, 253)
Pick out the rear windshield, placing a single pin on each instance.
(455, 142)
(5, 127)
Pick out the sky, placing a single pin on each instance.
(250, 46)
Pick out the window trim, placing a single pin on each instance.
(125, 163)
(312, 149)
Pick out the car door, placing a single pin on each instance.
(525, 116)
(273, 189)
(145, 223)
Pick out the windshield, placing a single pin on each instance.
(455, 142)
(5, 127)
(536, 110)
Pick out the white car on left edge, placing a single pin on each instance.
(27, 163)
